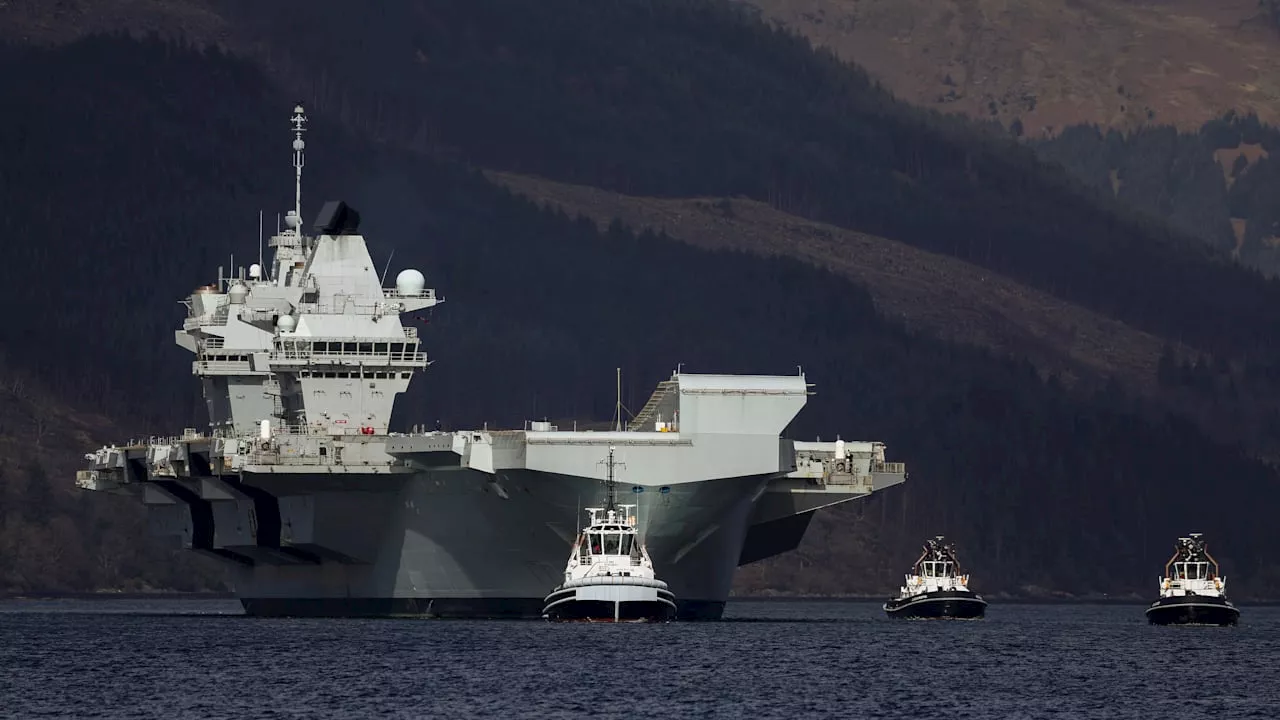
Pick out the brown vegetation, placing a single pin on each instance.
(1057, 62)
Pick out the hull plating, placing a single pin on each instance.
(458, 543)
(957, 604)
(1192, 610)
(610, 603)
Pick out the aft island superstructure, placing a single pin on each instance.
(318, 508)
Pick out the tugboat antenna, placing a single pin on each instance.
(610, 485)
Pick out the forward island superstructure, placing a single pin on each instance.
(318, 508)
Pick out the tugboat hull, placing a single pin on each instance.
(1192, 610)
(610, 603)
(955, 604)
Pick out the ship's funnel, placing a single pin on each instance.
(337, 218)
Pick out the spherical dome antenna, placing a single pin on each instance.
(237, 293)
(285, 323)
(255, 271)
(410, 282)
(292, 220)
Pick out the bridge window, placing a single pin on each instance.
(380, 348)
(626, 545)
(595, 543)
(611, 543)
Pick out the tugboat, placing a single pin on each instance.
(935, 589)
(1192, 593)
(609, 576)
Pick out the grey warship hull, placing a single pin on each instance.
(303, 539)
(317, 508)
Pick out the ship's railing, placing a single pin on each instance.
(162, 440)
(223, 366)
(219, 317)
(846, 480)
(892, 468)
(267, 457)
(407, 360)
(385, 305)
(394, 294)
(259, 315)
(392, 350)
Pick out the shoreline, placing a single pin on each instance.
(113, 595)
(994, 599)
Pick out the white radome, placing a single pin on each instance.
(410, 282)
(285, 323)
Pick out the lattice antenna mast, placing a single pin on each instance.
(611, 485)
(299, 127)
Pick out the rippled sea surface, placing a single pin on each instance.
(768, 659)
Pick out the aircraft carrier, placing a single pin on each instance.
(318, 509)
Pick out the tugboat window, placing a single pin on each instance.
(595, 544)
(626, 545)
(611, 544)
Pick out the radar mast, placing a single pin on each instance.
(610, 485)
(299, 120)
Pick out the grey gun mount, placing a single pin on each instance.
(319, 509)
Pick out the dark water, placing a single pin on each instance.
(200, 659)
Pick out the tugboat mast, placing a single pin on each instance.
(610, 486)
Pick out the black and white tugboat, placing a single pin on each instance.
(609, 576)
(1191, 590)
(936, 589)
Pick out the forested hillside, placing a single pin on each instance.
(1041, 486)
(1219, 183)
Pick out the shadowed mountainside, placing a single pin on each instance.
(693, 97)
